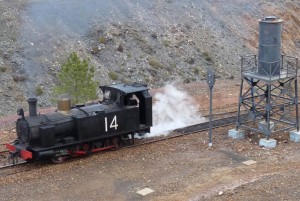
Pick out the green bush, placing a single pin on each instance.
(154, 63)
(102, 40)
(124, 80)
(203, 74)
(76, 79)
(207, 57)
(166, 42)
(196, 71)
(3, 69)
(113, 75)
(39, 90)
(95, 50)
(147, 80)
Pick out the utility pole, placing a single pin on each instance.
(210, 78)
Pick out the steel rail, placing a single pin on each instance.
(190, 130)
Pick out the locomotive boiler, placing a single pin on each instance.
(126, 109)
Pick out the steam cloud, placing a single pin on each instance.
(173, 109)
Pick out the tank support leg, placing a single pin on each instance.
(238, 118)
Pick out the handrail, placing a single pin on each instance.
(285, 68)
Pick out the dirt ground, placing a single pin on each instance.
(184, 168)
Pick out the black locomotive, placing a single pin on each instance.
(126, 109)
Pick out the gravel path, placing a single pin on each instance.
(178, 169)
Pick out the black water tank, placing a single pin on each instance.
(269, 52)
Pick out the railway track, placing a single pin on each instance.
(174, 134)
(189, 130)
(205, 125)
(7, 162)
(11, 167)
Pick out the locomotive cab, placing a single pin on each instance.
(118, 97)
(131, 95)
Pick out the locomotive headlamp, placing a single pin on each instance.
(20, 112)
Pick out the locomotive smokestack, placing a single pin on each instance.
(32, 106)
(269, 52)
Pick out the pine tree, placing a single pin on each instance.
(76, 79)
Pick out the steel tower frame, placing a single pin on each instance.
(271, 98)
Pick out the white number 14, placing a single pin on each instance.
(113, 123)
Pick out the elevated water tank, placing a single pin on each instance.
(269, 51)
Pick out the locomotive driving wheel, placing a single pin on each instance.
(58, 159)
(115, 143)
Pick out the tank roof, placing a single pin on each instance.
(271, 19)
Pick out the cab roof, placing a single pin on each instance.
(126, 88)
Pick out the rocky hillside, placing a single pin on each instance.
(130, 41)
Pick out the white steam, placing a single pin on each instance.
(173, 109)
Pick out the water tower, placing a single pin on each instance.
(268, 100)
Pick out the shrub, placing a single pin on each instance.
(203, 74)
(113, 75)
(95, 50)
(76, 79)
(187, 80)
(102, 40)
(196, 71)
(207, 57)
(3, 69)
(154, 35)
(154, 62)
(120, 48)
(139, 38)
(166, 42)
(124, 80)
(190, 60)
(19, 78)
(39, 90)
(147, 80)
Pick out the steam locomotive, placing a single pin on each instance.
(126, 109)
